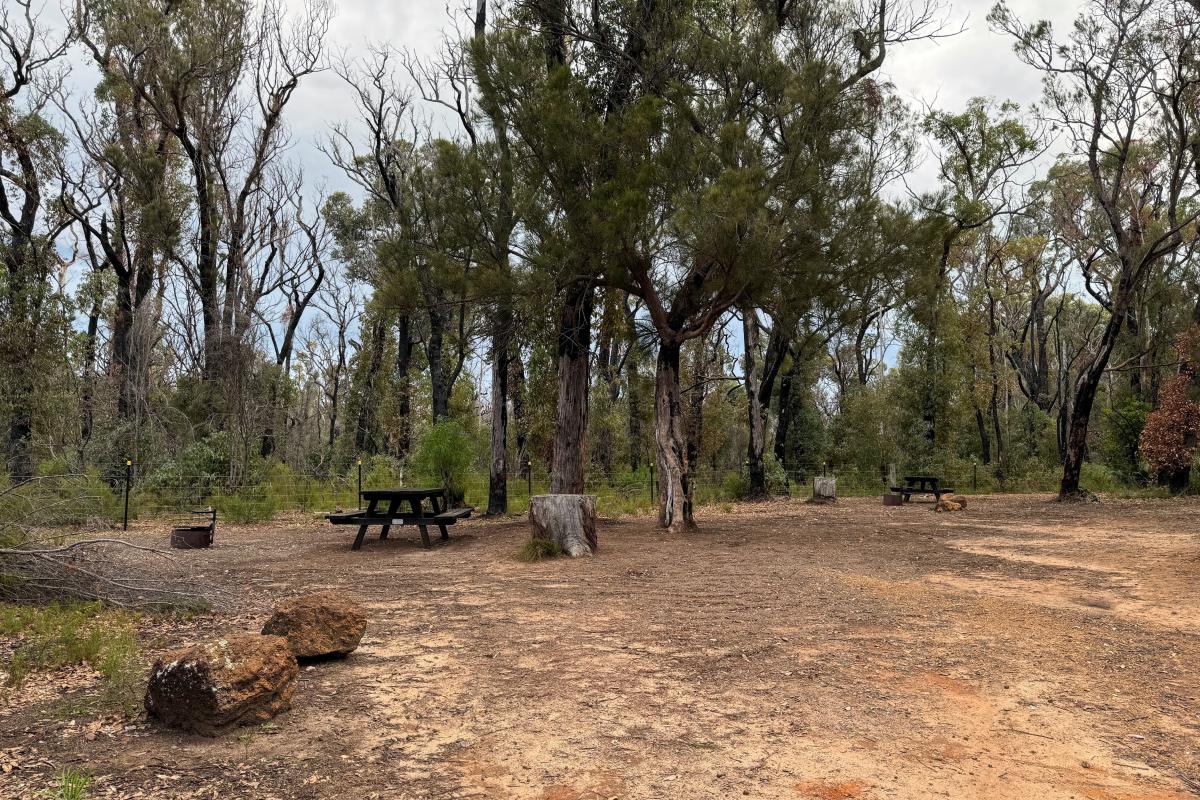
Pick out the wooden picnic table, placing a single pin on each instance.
(922, 484)
(393, 512)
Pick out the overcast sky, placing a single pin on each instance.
(945, 73)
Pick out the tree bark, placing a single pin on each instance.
(674, 478)
(498, 468)
(404, 351)
(633, 396)
(757, 424)
(570, 430)
(568, 520)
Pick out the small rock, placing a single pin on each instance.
(319, 625)
(211, 688)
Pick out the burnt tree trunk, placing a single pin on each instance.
(498, 466)
(754, 411)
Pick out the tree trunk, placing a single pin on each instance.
(517, 387)
(754, 410)
(985, 442)
(89, 374)
(498, 472)
(633, 401)
(404, 350)
(366, 436)
(440, 391)
(674, 479)
(568, 520)
(570, 430)
(785, 416)
(1085, 398)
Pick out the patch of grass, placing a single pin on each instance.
(538, 549)
(65, 634)
(72, 785)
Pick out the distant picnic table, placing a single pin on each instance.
(922, 484)
(392, 512)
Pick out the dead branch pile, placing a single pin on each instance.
(56, 545)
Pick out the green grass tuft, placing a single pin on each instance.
(65, 634)
(538, 549)
(72, 785)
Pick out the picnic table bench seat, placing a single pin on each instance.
(922, 484)
(390, 513)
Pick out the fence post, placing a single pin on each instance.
(652, 487)
(974, 476)
(529, 478)
(128, 476)
(360, 483)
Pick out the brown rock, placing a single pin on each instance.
(319, 625)
(950, 502)
(211, 688)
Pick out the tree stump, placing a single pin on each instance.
(568, 520)
(824, 490)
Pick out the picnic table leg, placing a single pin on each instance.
(445, 533)
(362, 529)
(418, 512)
(392, 506)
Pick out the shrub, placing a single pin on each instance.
(250, 504)
(537, 549)
(444, 456)
(736, 486)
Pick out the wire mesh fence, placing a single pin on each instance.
(629, 492)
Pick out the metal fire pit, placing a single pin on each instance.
(893, 499)
(192, 537)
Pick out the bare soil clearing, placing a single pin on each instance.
(1018, 649)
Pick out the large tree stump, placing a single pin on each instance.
(568, 520)
(824, 490)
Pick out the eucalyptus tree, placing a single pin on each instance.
(218, 75)
(982, 154)
(32, 69)
(1122, 86)
(126, 199)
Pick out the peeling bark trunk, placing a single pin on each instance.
(570, 431)
(674, 480)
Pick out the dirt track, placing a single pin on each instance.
(1019, 649)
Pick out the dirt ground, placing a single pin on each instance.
(1018, 649)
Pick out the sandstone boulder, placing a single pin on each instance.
(211, 688)
(319, 625)
(950, 502)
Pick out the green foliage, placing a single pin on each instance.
(248, 504)
(1120, 429)
(537, 549)
(65, 634)
(444, 456)
(72, 785)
